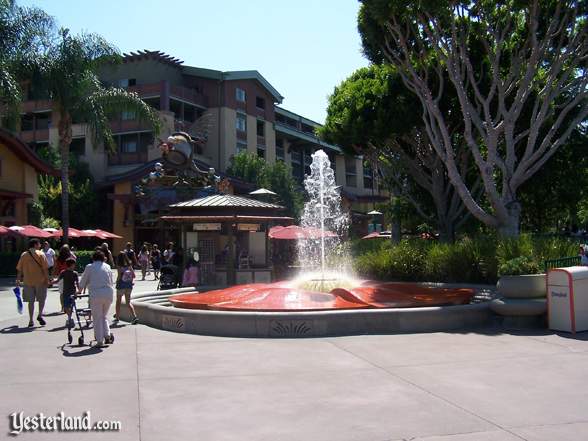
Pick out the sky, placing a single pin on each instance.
(303, 48)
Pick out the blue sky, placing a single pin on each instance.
(303, 48)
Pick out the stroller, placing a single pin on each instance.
(168, 278)
(80, 313)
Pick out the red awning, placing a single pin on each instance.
(30, 231)
(295, 232)
(71, 232)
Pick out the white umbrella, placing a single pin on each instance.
(50, 230)
(374, 212)
(263, 191)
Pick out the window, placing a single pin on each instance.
(368, 176)
(241, 147)
(128, 115)
(307, 128)
(280, 153)
(333, 160)
(240, 95)
(261, 151)
(127, 82)
(128, 143)
(260, 128)
(241, 122)
(297, 170)
(307, 161)
(27, 122)
(260, 102)
(78, 146)
(350, 172)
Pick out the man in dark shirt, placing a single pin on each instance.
(70, 281)
(131, 254)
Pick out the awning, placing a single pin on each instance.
(295, 232)
(30, 231)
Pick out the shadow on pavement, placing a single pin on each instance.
(53, 314)
(14, 329)
(84, 352)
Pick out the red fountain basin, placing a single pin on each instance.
(281, 296)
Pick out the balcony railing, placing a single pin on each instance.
(35, 135)
(120, 158)
(189, 95)
(36, 106)
(130, 125)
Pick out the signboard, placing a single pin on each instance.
(248, 227)
(206, 227)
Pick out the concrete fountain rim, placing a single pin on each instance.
(153, 310)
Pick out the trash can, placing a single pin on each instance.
(567, 298)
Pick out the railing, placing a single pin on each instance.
(130, 125)
(188, 95)
(40, 135)
(127, 158)
(36, 105)
(562, 262)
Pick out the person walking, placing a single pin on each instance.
(32, 272)
(124, 285)
(70, 288)
(107, 254)
(144, 261)
(97, 278)
(130, 252)
(50, 256)
(156, 261)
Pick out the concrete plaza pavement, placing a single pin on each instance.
(482, 385)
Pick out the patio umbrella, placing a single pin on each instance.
(108, 235)
(71, 232)
(376, 235)
(295, 232)
(94, 233)
(30, 231)
(50, 230)
(4, 230)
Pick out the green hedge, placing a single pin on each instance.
(468, 260)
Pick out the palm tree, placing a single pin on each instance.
(25, 33)
(67, 73)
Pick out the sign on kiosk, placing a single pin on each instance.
(567, 298)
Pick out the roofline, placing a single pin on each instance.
(24, 152)
(305, 136)
(289, 113)
(253, 75)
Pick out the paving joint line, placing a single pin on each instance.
(138, 383)
(451, 403)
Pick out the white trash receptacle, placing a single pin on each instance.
(567, 298)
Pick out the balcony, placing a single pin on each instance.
(146, 90)
(120, 158)
(36, 106)
(41, 135)
(189, 95)
(123, 126)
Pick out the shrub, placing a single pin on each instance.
(518, 266)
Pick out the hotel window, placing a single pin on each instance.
(128, 143)
(280, 153)
(350, 172)
(128, 115)
(368, 176)
(260, 128)
(333, 161)
(297, 170)
(240, 95)
(241, 147)
(259, 102)
(127, 82)
(261, 151)
(241, 122)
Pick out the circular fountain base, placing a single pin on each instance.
(156, 310)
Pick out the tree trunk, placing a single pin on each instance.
(446, 232)
(64, 144)
(510, 226)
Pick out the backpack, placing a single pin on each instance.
(127, 275)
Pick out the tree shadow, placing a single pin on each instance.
(15, 329)
(91, 350)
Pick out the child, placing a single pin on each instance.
(124, 285)
(70, 288)
(191, 274)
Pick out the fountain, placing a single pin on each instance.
(325, 299)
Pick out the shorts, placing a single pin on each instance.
(34, 293)
(67, 300)
(120, 284)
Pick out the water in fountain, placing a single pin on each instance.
(323, 212)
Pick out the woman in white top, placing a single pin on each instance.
(98, 279)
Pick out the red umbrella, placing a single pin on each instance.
(295, 232)
(30, 231)
(376, 235)
(71, 232)
(4, 230)
(108, 235)
(94, 233)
